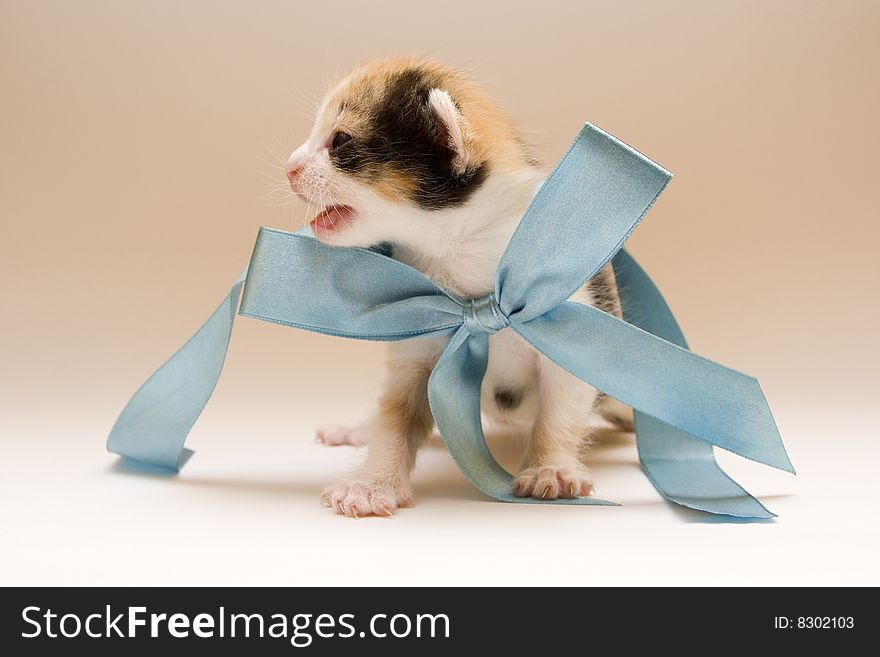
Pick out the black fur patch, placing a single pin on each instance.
(408, 140)
(384, 248)
(507, 399)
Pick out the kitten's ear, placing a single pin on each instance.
(453, 129)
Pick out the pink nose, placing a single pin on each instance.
(293, 170)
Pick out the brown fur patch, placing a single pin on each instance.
(404, 409)
(603, 289)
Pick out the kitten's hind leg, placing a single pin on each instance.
(615, 412)
(334, 435)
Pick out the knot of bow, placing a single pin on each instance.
(484, 315)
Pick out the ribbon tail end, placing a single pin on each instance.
(755, 510)
(149, 467)
(776, 458)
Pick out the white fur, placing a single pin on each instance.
(458, 248)
(441, 102)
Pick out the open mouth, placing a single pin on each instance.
(332, 219)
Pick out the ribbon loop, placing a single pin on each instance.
(296, 280)
(484, 315)
(579, 218)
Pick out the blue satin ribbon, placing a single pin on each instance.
(577, 223)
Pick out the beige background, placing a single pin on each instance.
(140, 152)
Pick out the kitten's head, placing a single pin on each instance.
(396, 143)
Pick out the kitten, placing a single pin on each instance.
(411, 155)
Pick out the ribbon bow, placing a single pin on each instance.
(577, 222)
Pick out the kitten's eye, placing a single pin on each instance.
(339, 139)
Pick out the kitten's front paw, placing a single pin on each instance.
(551, 482)
(357, 499)
(335, 434)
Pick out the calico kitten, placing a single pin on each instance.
(412, 155)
